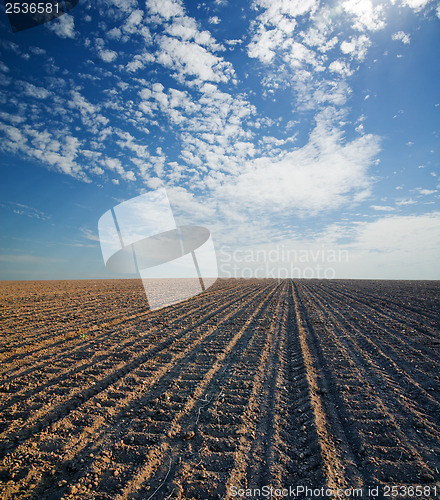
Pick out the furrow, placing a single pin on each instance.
(396, 364)
(157, 376)
(339, 463)
(82, 385)
(407, 317)
(183, 427)
(369, 413)
(49, 349)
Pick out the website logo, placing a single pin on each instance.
(140, 236)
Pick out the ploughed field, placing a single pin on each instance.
(326, 385)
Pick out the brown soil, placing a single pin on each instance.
(326, 385)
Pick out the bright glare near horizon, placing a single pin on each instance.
(302, 125)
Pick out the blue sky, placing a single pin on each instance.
(284, 124)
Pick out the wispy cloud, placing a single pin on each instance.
(324, 174)
(28, 259)
(253, 126)
(89, 234)
(21, 209)
(426, 192)
(383, 208)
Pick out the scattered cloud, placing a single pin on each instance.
(173, 104)
(107, 55)
(406, 202)
(426, 192)
(89, 234)
(165, 8)
(382, 208)
(417, 5)
(402, 36)
(33, 91)
(323, 175)
(341, 67)
(26, 210)
(367, 16)
(357, 47)
(63, 26)
(189, 59)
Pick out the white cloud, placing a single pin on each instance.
(114, 34)
(14, 138)
(382, 208)
(312, 94)
(341, 67)
(115, 165)
(263, 45)
(315, 37)
(53, 149)
(357, 47)
(233, 43)
(323, 175)
(390, 247)
(132, 23)
(38, 51)
(299, 58)
(107, 55)
(34, 91)
(397, 247)
(140, 61)
(401, 233)
(190, 59)
(165, 8)
(267, 43)
(406, 202)
(426, 192)
(88, 234)
(79, 102)
(274, 28)
(12, 118)
(276, 10)
(403, 37)
(417, 5)
(186, 29)
(367, 16)
(26, 210)
(63, 26)
(4, 80)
